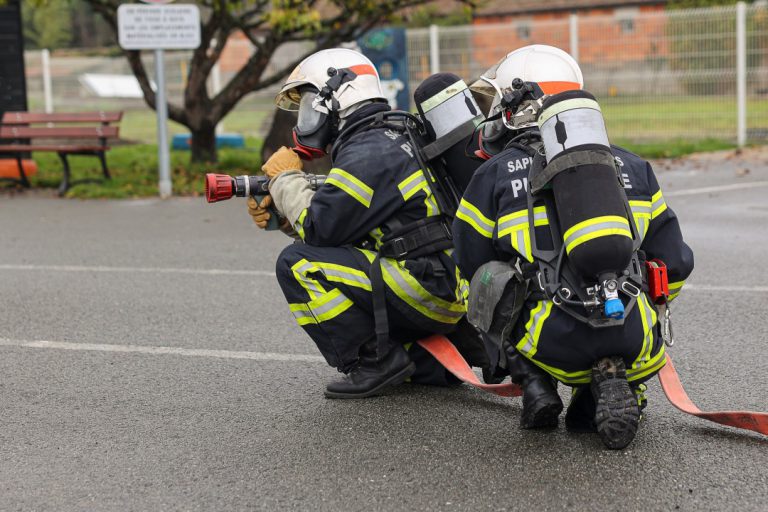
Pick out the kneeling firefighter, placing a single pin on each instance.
(583, 230)
(373, 273)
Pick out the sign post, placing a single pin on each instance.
(158, 28)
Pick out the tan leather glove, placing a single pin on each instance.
(259, 211)
(284, 159)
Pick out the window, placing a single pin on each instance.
(523, 29)
(626, 19)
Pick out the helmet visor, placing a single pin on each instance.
(309, 118)
(289, 100)
(492, 130)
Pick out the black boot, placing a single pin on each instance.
(371, 376)
(580, 416)
(616, 413)
(541, 403)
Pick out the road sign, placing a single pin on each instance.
(158, 27)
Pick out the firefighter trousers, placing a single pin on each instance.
(329, 293)
(566, 348)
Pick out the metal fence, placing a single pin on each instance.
(683, 74)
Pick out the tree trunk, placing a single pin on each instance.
(204, 144)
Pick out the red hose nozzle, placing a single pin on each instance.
(218, 187)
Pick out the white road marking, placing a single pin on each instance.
(718, 188)
(717, 288)
(265, 273)
(146, 270)
(154, 350)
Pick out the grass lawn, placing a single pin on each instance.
(654, 129)
(134, 171)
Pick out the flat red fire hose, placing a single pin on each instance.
(448, 356)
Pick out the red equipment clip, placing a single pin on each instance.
(658, 281)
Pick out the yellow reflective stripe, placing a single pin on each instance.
(516, 226)
(330, 305)
(572, 378)
(300, 271)
(462, 286)
(302, 314)
(674, 289)
(407, 288)
(299, 225)
(654, 365)
(470, 214)
(519, 220)
(528, 344)
(595, 228)
(431, 203)
(641, 212)
(351, 185)
(325, 308)
(347, 275)
(658, 205)
(648, 318)
(412, 184)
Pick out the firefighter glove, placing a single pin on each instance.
(284, 159)
(259, 211)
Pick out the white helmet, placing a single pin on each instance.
(550, 68)
(323, 88)
(553, 69)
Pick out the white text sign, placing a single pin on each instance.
(158, 27)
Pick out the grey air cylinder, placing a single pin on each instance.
(589, 199)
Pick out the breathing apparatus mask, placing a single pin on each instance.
(315, 127)
(513, 110)
(318, 114)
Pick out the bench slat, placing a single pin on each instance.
(61, 117)
(24, 148)
(70, 132)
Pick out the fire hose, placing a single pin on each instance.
(448, 356)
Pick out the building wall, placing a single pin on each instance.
(639, 37)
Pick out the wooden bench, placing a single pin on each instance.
(17, 137)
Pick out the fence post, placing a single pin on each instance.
(434, 50)
(47, 90)
(574, 33)
(216, 86)
(741, 72)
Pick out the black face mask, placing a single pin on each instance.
(314, 130)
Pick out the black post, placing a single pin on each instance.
(13, 82)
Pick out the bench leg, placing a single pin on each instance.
(64, 186)
(104, 168)
(22, 175)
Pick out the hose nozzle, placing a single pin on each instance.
(219, 187)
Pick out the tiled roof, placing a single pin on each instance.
(506, 7)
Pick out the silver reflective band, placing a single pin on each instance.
(448, 92)
(414, 295)
(572, 237)
(581, 126)
(247, 185)
(328, 306)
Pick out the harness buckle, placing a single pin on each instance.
(398, 248)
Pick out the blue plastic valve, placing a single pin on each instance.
(614, 309)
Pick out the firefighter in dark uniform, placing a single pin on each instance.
(362, 294)
(546, 343)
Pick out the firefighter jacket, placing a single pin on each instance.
(492, 224)
(374, 188)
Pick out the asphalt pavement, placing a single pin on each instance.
(149, 362)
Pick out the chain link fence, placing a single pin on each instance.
(658, 75)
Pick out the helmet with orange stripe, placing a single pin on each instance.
(550, 68)
(325, 88)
